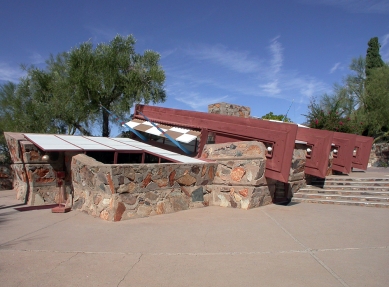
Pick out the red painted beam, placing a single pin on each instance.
(362, 152)
(280, 135)
(319, 141)
(344, 144)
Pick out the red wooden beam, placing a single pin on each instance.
(344, 145)
(319, 141)
(361, 153)
(281, 136)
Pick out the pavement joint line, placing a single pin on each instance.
(132, 267)
(66, 260)
(349, 248)
(199, 253)
(32, 232)
(336, 276)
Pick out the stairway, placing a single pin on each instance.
(358, 191)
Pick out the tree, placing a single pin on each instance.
(271, 116)
(355, 83)
(114, 76)
(361, 102)
(66, 95)
(334, 113)
(373, 57)
(378, 103)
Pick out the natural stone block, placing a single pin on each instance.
(235, 150)
(229, 110)
(244, 172)
(298, 163)
(244, 197)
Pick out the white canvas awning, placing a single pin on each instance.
(178, 134)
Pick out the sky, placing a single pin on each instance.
(270, 55)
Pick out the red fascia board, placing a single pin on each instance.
(363, 148)
(345, 144)
(319, 141)
(281, 135)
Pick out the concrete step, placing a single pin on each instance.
(342, 202)
(346, 191)
(343, 178)
(342, 197)
(351, 183)
(336, 188)
(309, 190)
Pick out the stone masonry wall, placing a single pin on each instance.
(34, 179)
(296, 178)
(229, 109)
(379, 155)
(123, 191)
(6, 177)
(240, 180)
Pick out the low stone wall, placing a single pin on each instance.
(229, 109)
(123, 191)
(35, 180)
(240, 180)
(379, 155)
(6, 177)
(297, 175)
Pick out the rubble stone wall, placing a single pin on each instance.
(122, 191)
(229, 109)
(379, 155)
(240, 180)
(297, 175)
(34, 179)
(6, 177)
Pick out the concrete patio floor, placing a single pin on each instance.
(296, 245)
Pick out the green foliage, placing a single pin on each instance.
(115, 76)
(354, 84)
(66, 95)
(377, 103)
(332, 113)
(360, 104)
(373, 57)
(271, 116)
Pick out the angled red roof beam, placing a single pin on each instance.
(361, 153)
(279, 136)
(343, 147)
(319, 142)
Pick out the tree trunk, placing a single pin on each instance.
(105, 132)
(82, 130)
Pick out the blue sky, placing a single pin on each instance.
(262, 54)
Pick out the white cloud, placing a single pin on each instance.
(196, 102)
(233, 60)
(190, 81)
(277, 57)
(36, 58)
(8, 73)
(167, 53)
(104, 33)
(356, 6)
(335, 67)
(271, 88)
(384, 51)
(273, 72)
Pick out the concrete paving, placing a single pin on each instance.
(297, 245)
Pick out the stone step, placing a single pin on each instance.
(309, 190)
(344, 182)
(342, 178)
(352, 178)
(342, 202)
(348, 187)
(359, 198)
